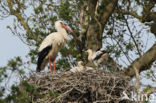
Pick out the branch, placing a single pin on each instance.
(22, 21)
(146, 13)
(84, 17)
(108, 11)
(151, 90)
(143, 63)
(92, 7)
(75, 37)
(132, 13)
(137, 80)
(131, 34)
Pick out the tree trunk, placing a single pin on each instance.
(94, 37)
(97, 22)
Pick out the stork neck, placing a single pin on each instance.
(90, 56)
(63, 32)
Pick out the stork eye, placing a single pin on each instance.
(61, 23)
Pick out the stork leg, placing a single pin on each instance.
(50, 63)
(54, 65)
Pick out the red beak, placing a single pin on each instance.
(66, 28)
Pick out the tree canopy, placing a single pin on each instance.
(126, 28)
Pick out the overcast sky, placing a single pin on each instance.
(10, 45)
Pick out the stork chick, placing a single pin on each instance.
(79, 67)
(97, 57)
(102, 57)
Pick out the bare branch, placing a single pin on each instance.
(131, 34)
(143, 63)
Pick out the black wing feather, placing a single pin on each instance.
(99, 54)
(104, 51)
(98, 49)
(41, 55)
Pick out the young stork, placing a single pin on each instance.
(50, 46)
(97, 57)
(79, 67)
(102, 57)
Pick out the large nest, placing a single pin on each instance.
(83, 87)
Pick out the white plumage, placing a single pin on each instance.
(102, 58)
(51, 45)
(80, 68)
(98, 57)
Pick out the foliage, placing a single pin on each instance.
(115, 25)
(22, 93)
(13, 67)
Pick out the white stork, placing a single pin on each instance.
(102, 57)
(80, 68)
(97, 57)
(51, 45)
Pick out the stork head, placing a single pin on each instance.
(59, 24)
(80, 63)
(89, 51)
(89, 55)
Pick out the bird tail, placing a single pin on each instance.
(38, 69)
(41, 56)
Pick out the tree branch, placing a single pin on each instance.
(84, 17)
(131, 34)
(22, 21)
(108, 11)
(147, 14)
(151, 90)
(137, 80)
(92, 7)
(143, 63)
(132, 13)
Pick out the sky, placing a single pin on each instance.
(10, 45)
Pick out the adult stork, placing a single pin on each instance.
(51, 45)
